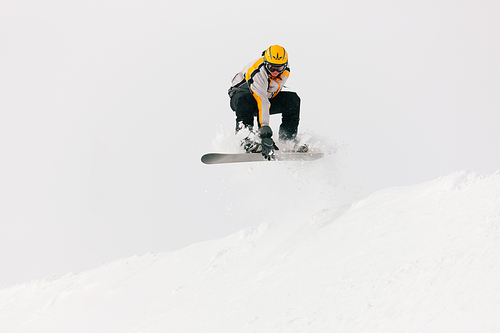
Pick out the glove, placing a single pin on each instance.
(265, 132)
(268, 145)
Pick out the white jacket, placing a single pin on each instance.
(262, 86)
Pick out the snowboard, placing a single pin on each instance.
(219, 158)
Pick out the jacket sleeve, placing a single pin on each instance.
(258, 83)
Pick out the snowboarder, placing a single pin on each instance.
(257, 91)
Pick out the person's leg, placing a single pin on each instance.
(288, 104)
(245, 107)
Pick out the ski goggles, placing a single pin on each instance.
(275, 68)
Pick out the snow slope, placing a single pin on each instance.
(422, 258)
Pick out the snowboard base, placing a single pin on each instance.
(219, 158)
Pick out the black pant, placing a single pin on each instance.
(286, 102)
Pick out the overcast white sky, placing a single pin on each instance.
(106, 108)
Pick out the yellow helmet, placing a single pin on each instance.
(276, 55)
(275, 60)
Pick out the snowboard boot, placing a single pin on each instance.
(251, 146)
(293, 145)
(290, 141)
(248, 138)
(304, 148)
